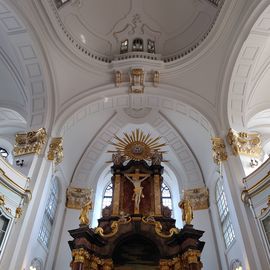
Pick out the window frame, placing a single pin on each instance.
(48, 220)
(165, 187)
(7, 215)
(224, 215)
(109, 187)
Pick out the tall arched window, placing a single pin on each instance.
(166, 196)
(107, 197)
(224, 214)
(49, 215)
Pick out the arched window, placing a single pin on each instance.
(224, 214)
(124, 46)
(49, 215)
(5, 225)
(137, 45)
(59, 3)
(166, 196)
(107, 197)
(151, 46)
(36, 264)
(3, 152)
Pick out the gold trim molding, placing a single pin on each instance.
(76, 198)
(30, 143)
(243, 143)
(198, 197)
(114, 226)
(219, 150)
(55, 152)
(136, 81)
(256, 189)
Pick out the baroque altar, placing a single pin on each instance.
(136, 231)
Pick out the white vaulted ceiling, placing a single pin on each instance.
(96, 26)
(65, 63)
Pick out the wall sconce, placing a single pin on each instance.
(19, 162)
(253, 163)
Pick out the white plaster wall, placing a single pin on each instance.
(210, 255)
(63, 253)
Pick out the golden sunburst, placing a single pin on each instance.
(137, 145)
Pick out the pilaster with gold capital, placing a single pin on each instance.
(55, 152)
(219, 150)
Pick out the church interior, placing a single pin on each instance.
(134, 134)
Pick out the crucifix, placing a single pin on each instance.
(136, 179)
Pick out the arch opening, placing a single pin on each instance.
(136, 252)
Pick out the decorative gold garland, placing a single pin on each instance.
(158, 227)
(114, 226)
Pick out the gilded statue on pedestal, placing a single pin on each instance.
(187, 212)
(84, 216)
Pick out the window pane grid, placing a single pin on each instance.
(107, 198)
(223, 210)
(49, 214)
(166, 196)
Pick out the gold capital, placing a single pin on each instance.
(192, 256)
(243, 143)
(30, 142)
(55, 152)
(219, 150)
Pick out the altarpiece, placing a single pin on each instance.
(136, 231)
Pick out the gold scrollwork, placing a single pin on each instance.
(219, 150)
(30, 142)
(114, 226)
(191, 256)
(158, 227)
(243, 143)
(55, 152)
(80, 255)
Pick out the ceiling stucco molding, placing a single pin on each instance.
(230, 9)
(244, 65)
(19, 36)
(187, 165)
(130, 101)
(65, 33)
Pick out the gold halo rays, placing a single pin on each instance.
(136, 145)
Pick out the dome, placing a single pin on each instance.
(104, 29)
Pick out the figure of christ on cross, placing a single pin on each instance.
(136, 179)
